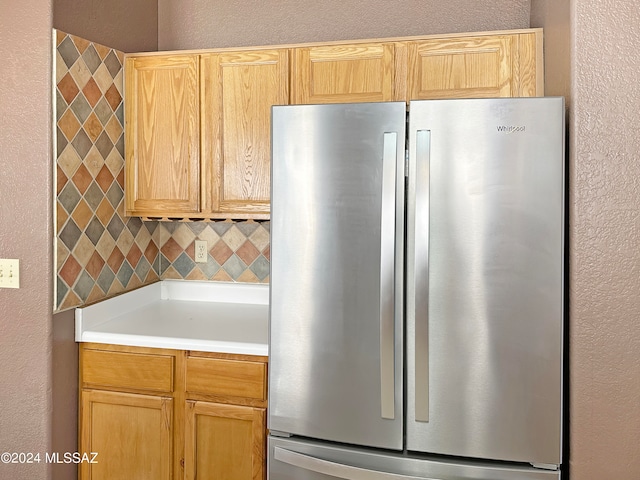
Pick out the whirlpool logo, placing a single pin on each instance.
(510, 128)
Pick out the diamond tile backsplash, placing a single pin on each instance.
(99, 251)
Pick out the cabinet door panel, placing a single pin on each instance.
(224, 442)
(239, 90)
(467, 67)
(132, 435)
(163, 128)
(344, 73)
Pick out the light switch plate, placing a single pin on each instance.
(9, 273)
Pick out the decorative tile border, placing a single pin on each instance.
(99, 251)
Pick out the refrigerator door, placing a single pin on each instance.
(335, 351)
(308, 460)
(485, 278)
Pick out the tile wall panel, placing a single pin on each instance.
(99, 251)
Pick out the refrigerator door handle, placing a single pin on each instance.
(333, 469)
(418, 264)
(387, 272)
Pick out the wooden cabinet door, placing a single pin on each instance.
(132, 435)
(239, 89)
(162, 135)
(224, 442)
(344, 73)
(472, 67)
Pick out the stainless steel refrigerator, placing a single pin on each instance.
(416, 315)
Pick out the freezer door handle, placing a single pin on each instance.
(387, 276)
(418, 268)
(333, 469)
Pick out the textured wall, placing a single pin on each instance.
(605, 243)
(126, 25)
(217, 23)
(26, 233)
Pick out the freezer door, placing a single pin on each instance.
(485, 278)
(306, 460)
(335, 350)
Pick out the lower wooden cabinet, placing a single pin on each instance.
(156, 414)
(131, 434)
(224, 442)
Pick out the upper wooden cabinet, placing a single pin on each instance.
(238, 90)
(162, 108)
(198, 123)
(361, 72)
(474, 67)
(198, 133)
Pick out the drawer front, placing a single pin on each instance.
(221, 377)
(131, 371)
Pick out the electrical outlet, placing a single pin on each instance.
(9, 273)
(202, 251)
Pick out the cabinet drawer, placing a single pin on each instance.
(222, 377)
(130, 371)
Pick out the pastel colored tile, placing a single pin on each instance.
(104, 212)
(197, 274)
(247, 252)
(134, 255)
(93, 127)
(68, 88)
(61, 105)
(247, 228)
(115, 260)
(260, 238)
(171, 250)
(247, 277)
(61, 142)
(116, 288)
(91, 58)
(69, 160)
(234, 238)
(84, 285)
(82, 143)
(112, 63)
(208, 234)
(60, 36)
(114, 129)
(61, 217)
(105, 246)
(62, 253)
(103, 78)
(69, 197)
(71, 300)
(134, 225)
(104, 179)
(115, 163)
(94, 265)
(105, 279)
(70, 271)
(95, 295)
(151, 252)
(94, 161)
(61, 291)
(80, 73)
(125, 241)
(84, 249)
(183, 235)
(81, 108)
(68, 51)
(82, 179)
(93, 196)
(115, 227)
(125, 273)
(221, 252)
(104, 144)
(61, 179)
(92, 92)
(61, 68)
(113, 97)
(94, 230)
(118, 81)
(102, 51)
(115, 194)
(260, 267)
(183, 264)
(80, 43)
(82, 215)
(234, 266)
(222, 276)
(103, 111)
(69, 125)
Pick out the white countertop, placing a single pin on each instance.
(185, 315)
